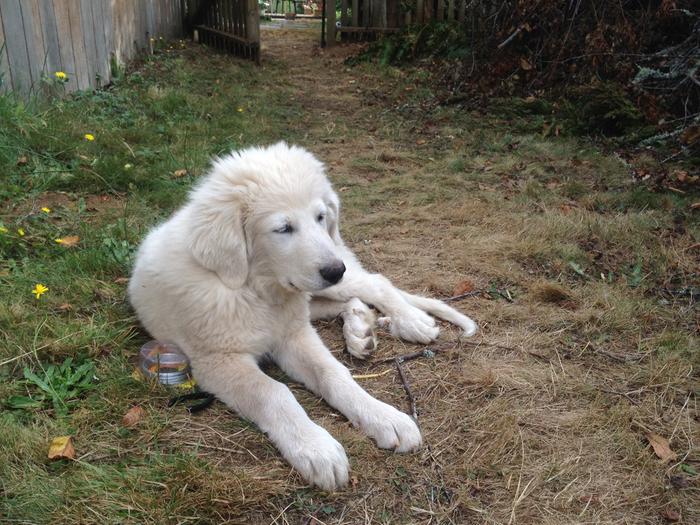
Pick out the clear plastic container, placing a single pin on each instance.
(164, 362)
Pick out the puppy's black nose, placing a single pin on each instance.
(333, 272)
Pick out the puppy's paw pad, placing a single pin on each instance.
(358, 329)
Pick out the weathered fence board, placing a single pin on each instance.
(79, 37)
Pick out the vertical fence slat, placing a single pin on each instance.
(47, 19)
(101, 55)
(65, 43)
(33, 32)
(5, 72)
(89, 40)
(16, 45)
(79, 50)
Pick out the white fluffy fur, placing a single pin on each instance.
(225, 282)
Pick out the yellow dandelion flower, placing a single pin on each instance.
(240, 110)
(60, 75)
(3, 229)
(39, 290)
(46, 210)
(20, 232)
(89, 137)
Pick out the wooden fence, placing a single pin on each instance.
(229, 25)
(363, 19)
(82, 38)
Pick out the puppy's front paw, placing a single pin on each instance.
(319, 458)
(391, 428)
(359, 329)
(411, 324)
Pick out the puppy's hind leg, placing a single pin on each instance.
(359, 323)
(310, 449)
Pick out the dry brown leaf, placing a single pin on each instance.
(661, 447)
(65, 307)
(670, 515)
(695, 206)
(62, 448)
(121, 280)
(465, 286)
(681, 175)
(133, 416)
(69, 242)
(179, 173)
(420, 142)
(525, 64)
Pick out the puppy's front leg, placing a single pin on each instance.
(305, 358)
(309, 448)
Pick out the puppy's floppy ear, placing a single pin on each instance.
(333, 216)
(217, 238)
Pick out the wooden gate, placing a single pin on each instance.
(365, 19)
(229, 25)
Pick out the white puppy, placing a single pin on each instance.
(229, 278)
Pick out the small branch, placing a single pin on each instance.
(463, 295)
(407, 388)
(511, 37)
(633, 401)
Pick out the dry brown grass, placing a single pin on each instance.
(539, 419)
(542, 417)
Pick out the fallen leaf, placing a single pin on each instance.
(691, 135)
(565, 209)
(681, 175)
(121, 280)
(65, 307)
(661, 447)
(179, 173)
(695, 206)
(62, 448)
(461, 287)
(69, 242)
(22, 161)
(530, 99)
(670, 515)
(133, 416)
(344, 188)
(525, 64)
(420, 142)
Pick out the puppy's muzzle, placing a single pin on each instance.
(333, 272)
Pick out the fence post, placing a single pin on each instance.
(253, 28)
(330, 23)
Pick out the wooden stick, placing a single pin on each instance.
(407, 388)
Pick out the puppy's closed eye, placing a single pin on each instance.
(287, 228)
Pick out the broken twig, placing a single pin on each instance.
(407, 388)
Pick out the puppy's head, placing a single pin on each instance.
(268, 212)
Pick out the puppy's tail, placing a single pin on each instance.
(441, 310)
